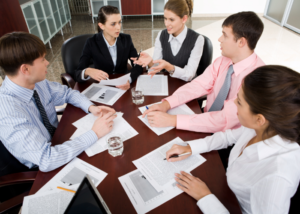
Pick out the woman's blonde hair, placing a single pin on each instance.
(180, 7)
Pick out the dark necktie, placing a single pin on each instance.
(51, 129)
(223, 93)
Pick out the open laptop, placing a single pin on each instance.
(87, 200)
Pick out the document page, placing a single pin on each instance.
(103, 94)
(121, 126)
(117, 81)
(51, 202)
(143, 196)
(182, 110)
(72, 174)
(159, 172)
(157, 85)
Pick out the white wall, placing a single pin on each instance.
(226, 7)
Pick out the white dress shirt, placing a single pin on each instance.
(189, 71)
(263, 178)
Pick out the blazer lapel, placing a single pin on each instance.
(120, 49)
(104, 50)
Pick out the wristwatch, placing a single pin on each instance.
(172, 71)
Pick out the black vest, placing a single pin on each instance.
(183, 55)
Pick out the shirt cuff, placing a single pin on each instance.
(178, 72)
(183, 121)
(85, 105)
(130, 80)
(211, 204)
(89, 138)
(172, 101)
(198, 146)
(82, 75)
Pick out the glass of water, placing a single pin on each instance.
(137, 96)
(115, 145)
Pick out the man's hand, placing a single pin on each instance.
(192, 186)
(161, 119)
(96, 110)
(177, 150)
(126, 86)
(163, 107)
(144, 60)
(104, 124)
(162, 64)
(96, 74)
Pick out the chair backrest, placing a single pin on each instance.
(71, 52)
(207, 55)
(294, 206)
(8, 163)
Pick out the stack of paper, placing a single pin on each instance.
(153, 183)
(83, 125)
(182, 110)
(51, 200)
(155, 86)
(103, 94)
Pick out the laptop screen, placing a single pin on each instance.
(86, 200)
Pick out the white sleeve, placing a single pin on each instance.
(157, 54)
(272, 195)
(189, 71)
(82, 75)
(219, 140)
(210, 204)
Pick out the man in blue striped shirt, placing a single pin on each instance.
(27, 106)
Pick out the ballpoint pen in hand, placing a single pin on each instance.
(176, 156)
(139, 55)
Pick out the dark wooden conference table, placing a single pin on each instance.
(211, 172)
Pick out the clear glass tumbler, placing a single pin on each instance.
(115, 145)
(137, 96)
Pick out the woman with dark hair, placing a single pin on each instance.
(109, 49)
(263, 168)
(178, 49)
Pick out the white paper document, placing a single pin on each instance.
(161, 173)
(51, 202)
(72, 174)
(103, 94)
(157, 85)
(121, 126)
(182, 110)
(117, 81)
(143, 195)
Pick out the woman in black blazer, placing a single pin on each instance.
(109, 49)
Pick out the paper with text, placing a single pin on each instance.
(103, 94)
(117, 81)
(143, 195)
(157, 85)
(159, 172)
(182, 110)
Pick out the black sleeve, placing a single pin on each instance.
(136, 70)
(84, 61)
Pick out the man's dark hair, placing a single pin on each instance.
(19, 48)
(247, 25)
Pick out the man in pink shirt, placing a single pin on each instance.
(240, 34)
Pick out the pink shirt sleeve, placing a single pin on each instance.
(200, 86)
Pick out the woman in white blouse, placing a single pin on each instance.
(264, 165)
(178, 49)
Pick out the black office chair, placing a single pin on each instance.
(71, 52)
(205, 61)
(294, 207)
(15, 181)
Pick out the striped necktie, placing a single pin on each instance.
(51, 129)
(223, 93)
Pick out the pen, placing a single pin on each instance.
(107, 78)
(147, 107)
(176, 156)
(139, 55)
(66, 189)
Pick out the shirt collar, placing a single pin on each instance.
(275, 145)
(244, 64)
(20, 92)
(180, 38)
(108, 45)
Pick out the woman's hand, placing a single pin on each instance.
(161, 64)
(191, 185)
(177, 150)
(144, 60)
(125, 86)
(96, 74)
